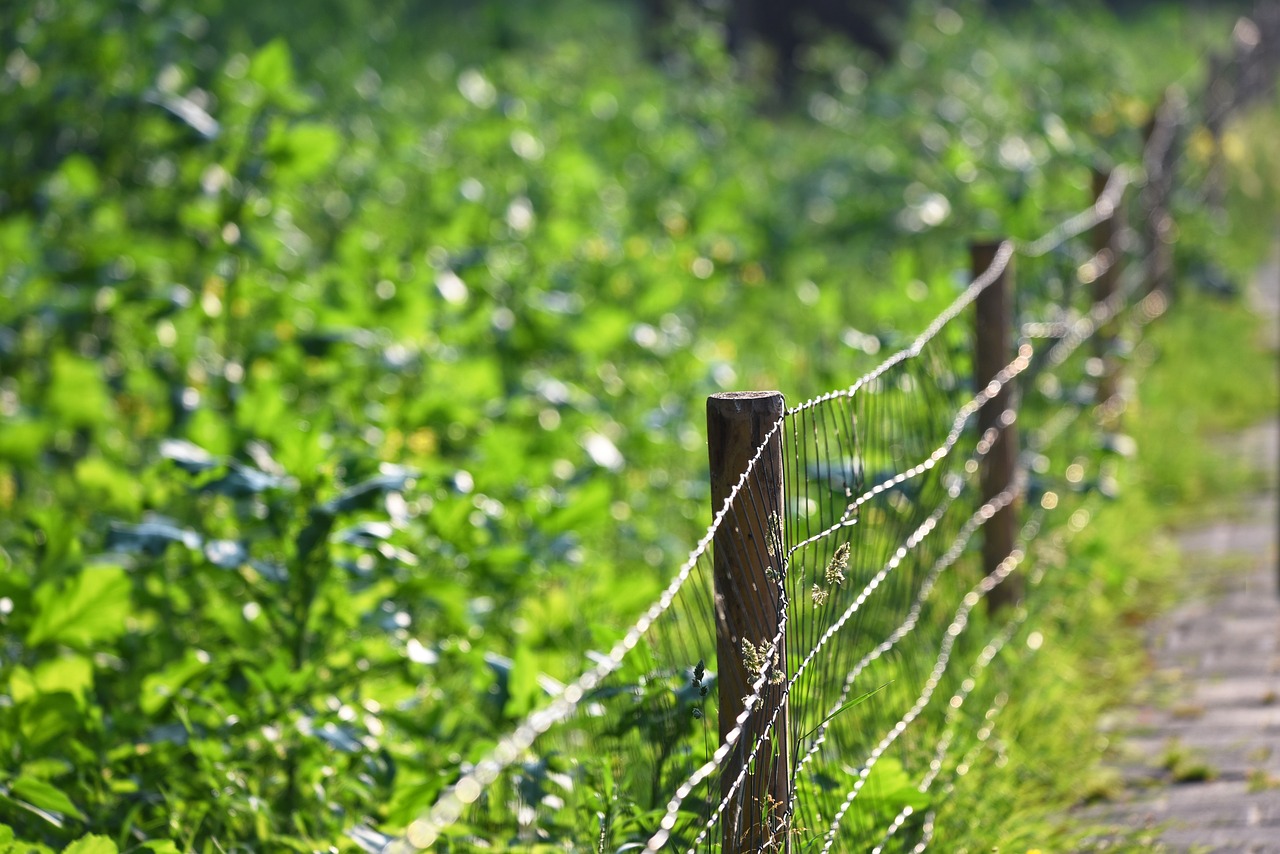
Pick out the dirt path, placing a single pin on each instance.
(1201, 758)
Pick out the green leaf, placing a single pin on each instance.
(72, 674)
(76, 180)
(47, 717)
(108, 487)
(77, 393)
(21, 441)
(47, 768)
(849, 705)
(272, 67)
(522, 685)
(159, 688)
(307, 149)
(589, 506)
(22, 685)
(608, 330)
(891, 788)
(92, 607)
(45, 796)
(92, 845)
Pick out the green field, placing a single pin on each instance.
(353, 359)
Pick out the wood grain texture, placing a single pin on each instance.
(748, 554)
(993, 350)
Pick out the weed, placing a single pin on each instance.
(834, 573)
(1185, 766)
(1102, 784)
(1260, 780)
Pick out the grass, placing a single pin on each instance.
(1259, 780)
(1186, 766)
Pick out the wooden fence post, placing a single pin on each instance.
(1107, 253)
(748, 573)
(993, 350)
(1220, 96)
(1157, 224)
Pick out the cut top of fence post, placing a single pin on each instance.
(749, 569)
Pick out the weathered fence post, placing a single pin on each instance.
(749, 569)
(1107, 255)
(993, 350)
(1220, 95)
(1158, 227)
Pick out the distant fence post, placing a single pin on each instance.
(1107, 253)
(993, 350)
(748, 587)
(1221, 96)
(1158, 227)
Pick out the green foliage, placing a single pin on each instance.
(348, 374)
(92, 607)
